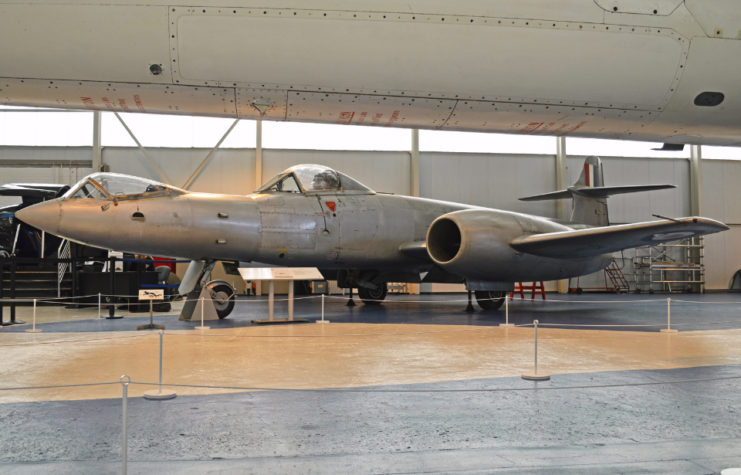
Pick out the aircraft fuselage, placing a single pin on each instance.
(363, 232)
(656, 71)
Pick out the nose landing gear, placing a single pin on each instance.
(222, 295)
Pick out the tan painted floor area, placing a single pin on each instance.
(335, 355)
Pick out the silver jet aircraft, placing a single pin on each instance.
(313, 216)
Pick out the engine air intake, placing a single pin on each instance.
(443, 240)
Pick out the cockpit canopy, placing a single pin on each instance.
(314, 179)
(117, 187)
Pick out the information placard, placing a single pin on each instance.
(281, 273)
(152, 294)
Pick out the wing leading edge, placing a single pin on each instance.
(602, 240)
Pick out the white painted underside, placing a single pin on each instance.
(507, 66)
(471, 61)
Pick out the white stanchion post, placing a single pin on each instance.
(290, 300)
(668, 328)
(535, 376)
(506, 313)
(34, 330)
(124, 445)
(160, 394)
(322, 320)
(98, 304)
(202, 327)
(271, 300)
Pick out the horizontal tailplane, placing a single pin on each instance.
(589, 194)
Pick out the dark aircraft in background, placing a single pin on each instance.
(18, 238)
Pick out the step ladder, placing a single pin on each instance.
(538, 288)
(616, 277)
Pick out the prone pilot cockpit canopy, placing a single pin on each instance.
(314, 179)
(117, 187)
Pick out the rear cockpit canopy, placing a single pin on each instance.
(314, 179)
(117, 187)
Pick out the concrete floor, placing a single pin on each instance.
(678, 428)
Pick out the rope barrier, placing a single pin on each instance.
(23, 388)
(337, 297)
(360, 390)
(356, 390)
(32, 343)
(637, 325)
(344, 334)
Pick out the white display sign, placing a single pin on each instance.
(281, 273)
(152, 294)
(118, 256)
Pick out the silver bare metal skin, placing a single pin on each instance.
(312, 216)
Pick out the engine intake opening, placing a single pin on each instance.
(444, 240)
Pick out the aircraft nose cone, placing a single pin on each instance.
(44, 216)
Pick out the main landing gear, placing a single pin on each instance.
(490, 299)
(371, 296)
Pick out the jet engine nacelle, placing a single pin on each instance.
(475, 244)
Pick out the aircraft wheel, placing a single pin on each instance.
(224, 300)
(373, 297)
(485, 299)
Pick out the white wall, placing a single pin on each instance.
(230, 171)
(722, 201)
(63, 165)
(492, 180)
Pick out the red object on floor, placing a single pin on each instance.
(538, 288)
(162, 261)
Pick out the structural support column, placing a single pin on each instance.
(258, 180)
(696, 254)
(258, 155)
(97, 149)
(415, 289)
(415, 162)
(562, 206)
(696, 180)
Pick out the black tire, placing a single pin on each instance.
(224, 300)
(579, 291)
(486, 299)
(373, 297)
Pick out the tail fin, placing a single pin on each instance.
(590, 194)
(592, 175)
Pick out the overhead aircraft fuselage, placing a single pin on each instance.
(665, 70)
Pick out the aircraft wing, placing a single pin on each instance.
(602, 240)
